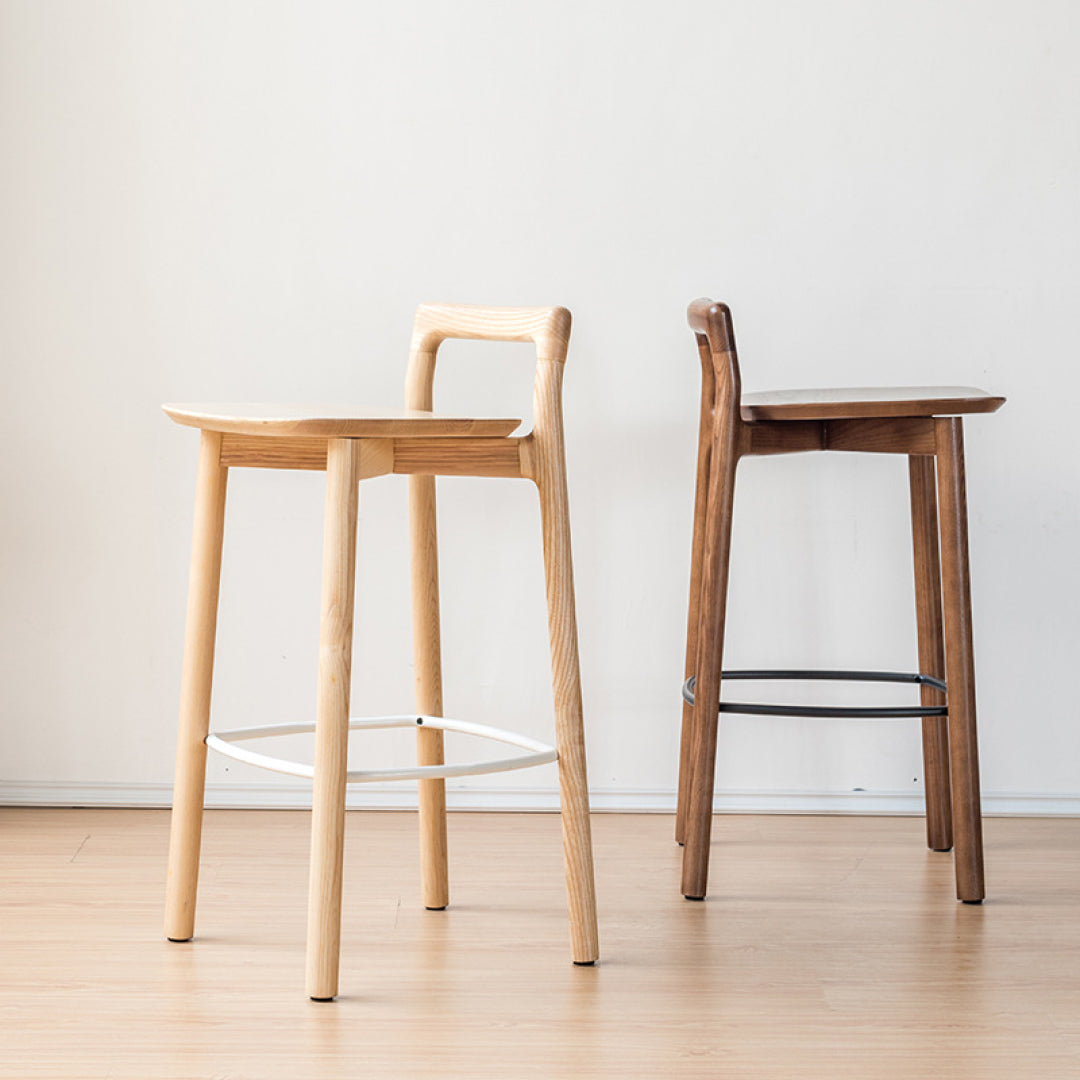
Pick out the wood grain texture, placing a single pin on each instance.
(435, 323)
(306, 452)
(550, 477)
(451, 456)
(332, 718)
(935, 729)
(200, 636)
(831, 950)
(855, 402)
(959, 661)
(427, 674)
(459, 457)
(711, 320)
(782, 437)
(726, 438)
(868, 435)
(427, 645)
(273, 452)
(333, 421)
(697, 547)
(885, 435)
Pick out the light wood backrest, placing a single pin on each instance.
(548, 328)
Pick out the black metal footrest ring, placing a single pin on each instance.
(868, 712)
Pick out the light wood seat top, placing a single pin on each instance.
(863, 402)
(335, 421)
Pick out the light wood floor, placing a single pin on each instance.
(831, 947)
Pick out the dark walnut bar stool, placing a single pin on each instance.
(926, 424)
(351, 445)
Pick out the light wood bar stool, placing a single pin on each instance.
(926, 424)
(352, 445)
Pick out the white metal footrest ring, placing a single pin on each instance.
(224, 742)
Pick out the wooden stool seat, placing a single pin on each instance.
(335, 421)
(865, 403)
(923, 423)
(350, 445)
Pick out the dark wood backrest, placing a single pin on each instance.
(711, 323)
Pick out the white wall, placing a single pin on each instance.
(246, 201)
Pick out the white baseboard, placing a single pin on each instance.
(290, 796)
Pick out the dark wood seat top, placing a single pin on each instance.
(863, 402)
(335, 421)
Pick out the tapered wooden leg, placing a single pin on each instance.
(332, 718)
(935, 729)
(188, 790)
(959, 660)
(569, 727)
(427, 659)
(716, 551)
(701, 494)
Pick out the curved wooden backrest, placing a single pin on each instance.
(547, 327)
(711, 323)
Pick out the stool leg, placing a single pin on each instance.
(569, 726)
(427, 664)
(716, 550)
(332, 718)
(959, 659)
(701, 493)
(205, 575)
(935, 729)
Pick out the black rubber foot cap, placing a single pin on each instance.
(443, 908)
(584, 963)
(970, 901)
(322, 999)
(179, 940)
(698, 898)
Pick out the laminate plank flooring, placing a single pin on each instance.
(828, 948)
